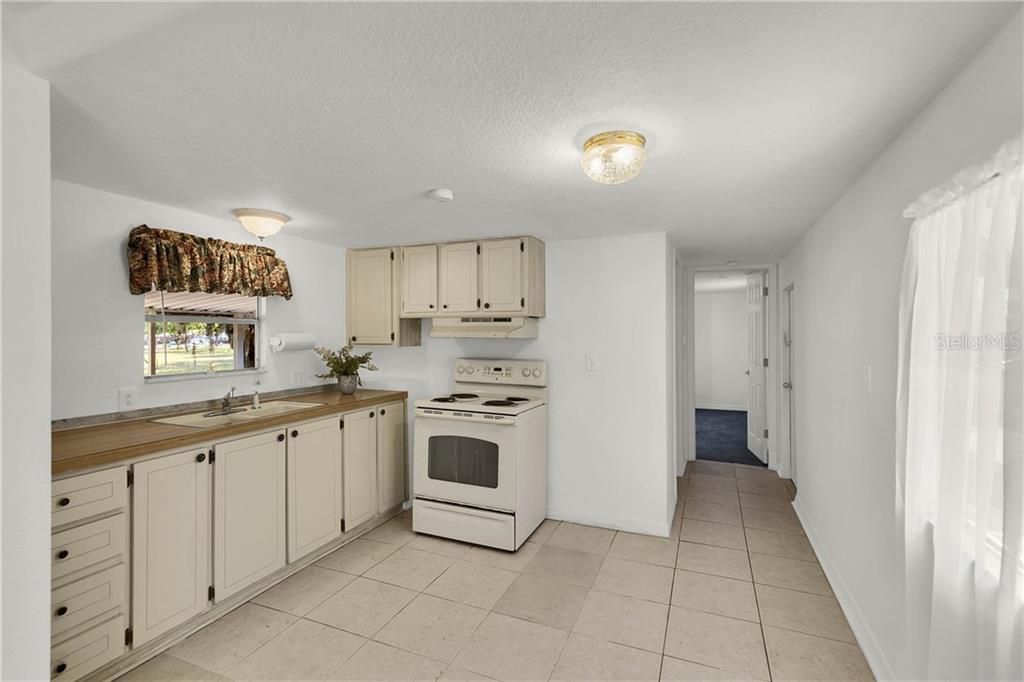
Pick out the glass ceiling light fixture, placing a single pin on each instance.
(614, 157)
(261, 222)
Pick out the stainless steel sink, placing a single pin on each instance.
(202, 420)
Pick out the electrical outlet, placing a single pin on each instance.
(127, 398)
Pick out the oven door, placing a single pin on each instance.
(465, 460)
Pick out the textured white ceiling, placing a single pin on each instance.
(345, 115)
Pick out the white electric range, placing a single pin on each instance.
(480, 454)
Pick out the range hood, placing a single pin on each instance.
(484, 327)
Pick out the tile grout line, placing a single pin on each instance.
(757, 603)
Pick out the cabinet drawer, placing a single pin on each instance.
(80, 497)
(477, 526)
(73, 604)
(79, 548)
(80, 655)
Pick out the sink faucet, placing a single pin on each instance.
(225, 402)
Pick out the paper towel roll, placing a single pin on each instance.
(289, 341)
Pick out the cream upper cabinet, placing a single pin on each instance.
(459, 277)
(359, 467)
(170, 542)
(370, 296)
(248, 511)
(390, 456)
(501, 264)
(419, 279)
(314, 485)
(372, 300)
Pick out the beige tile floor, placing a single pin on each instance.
(735, 593)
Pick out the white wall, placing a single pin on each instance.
(97, 324)
(609, 436)
(720, 344)
(25, 376)
(846, 273)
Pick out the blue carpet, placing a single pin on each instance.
(722, 437)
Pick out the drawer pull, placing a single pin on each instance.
(60, 667)
(62, 611)
(201, 457)
(64, 501)
(295, 434)
(63, 554)
(280, 437)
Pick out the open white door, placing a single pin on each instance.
(756, 367)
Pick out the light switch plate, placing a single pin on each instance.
(590, 362)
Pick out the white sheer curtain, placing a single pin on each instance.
(961, 411)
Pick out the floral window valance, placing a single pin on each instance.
(175, 261)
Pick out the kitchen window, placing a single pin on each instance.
(197, 334)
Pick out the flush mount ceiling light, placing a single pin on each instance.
(614, 157)
(261, 222)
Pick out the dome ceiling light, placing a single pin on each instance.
(614, 157)
(261, 222)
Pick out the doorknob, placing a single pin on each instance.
(786, 384)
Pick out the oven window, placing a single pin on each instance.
(461, 459)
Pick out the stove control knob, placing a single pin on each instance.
(526, 371)
(461, 369)
(470, 370)
(536, 371)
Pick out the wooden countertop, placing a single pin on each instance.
(110, 443)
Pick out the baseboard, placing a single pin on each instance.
(873, 652)
(722, 406)
(660, 529)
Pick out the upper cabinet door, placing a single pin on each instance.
(370, 295)
(502, 264)
(170, 542)
(458, 279)
(419, 279)
(314, 485)
(248, 511)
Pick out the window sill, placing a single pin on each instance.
(172, 378)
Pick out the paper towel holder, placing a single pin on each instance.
(291, 341)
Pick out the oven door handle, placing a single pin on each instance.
(476, 418)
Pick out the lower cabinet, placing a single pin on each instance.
(390, 456)
(314, 485)
(359, 469)
(170, 542)
(248, 511)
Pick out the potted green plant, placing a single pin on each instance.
(344, 366)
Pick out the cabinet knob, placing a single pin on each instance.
(445, 306)
(371, 415)
(62, 611)
(280, 437)
(201, 457)
(353, 339)
(382, 411)
(487, 305)
(60, 667)
(63, 554)
(64, 501)
(431, 306)
(295, 433)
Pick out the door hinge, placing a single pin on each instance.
(343, 525)
(478, 249)
(392, 336)
(766, 362)
(213, 455)
(131, 478)
(766, 291)
(766, 433)
(522, 303)
(522, 246)
(128, 638)
(478, 303)
(392, 255)
(341, 423)
(210, 593)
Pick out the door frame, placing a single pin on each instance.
(776, 460)
(787, 409)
